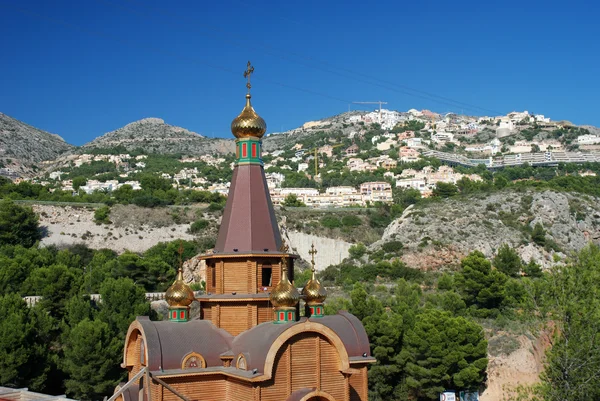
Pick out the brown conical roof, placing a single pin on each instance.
(249, 223)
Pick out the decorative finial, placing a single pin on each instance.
(180, 252)
(247, 73)
(284, 248)
(312, 253)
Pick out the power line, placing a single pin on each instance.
(270, 50)
(157, 50)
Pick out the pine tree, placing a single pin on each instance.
(538, 235)
(443, 352)
(507, 260)
(18, 225)
(481, 287)
(91, 360)
(572, 302)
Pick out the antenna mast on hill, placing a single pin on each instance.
(378, 102)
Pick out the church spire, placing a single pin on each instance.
(249, 224)
(179, 295)
(285, 296)
(314, 293)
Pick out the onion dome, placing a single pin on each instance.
(313, 291)
(179, 293)
(285, 295)
(248, 123)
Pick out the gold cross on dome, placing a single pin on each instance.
(312, 253)
(180, 252)
(247, 73)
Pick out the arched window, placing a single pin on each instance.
(142, 352)
(193, 360)
(241, 362)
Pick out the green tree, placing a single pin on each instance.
(124, 194)
(18, 224)
(538, 235)
(79, 182)
(122, 301)
(443, 352)
(444, 190)
(91, 360)
(507, 260)
(15, 341)
(357, 251)
(292, 201)
(56, 284)
(482, 288)
(532, 269)
(572, 303)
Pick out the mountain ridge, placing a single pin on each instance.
(23, 145)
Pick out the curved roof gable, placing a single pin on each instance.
(167, 343)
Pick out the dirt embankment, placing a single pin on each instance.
(132, 228)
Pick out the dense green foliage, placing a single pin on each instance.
(571, 300)
(67, 342)
(18, 224)
(507, 260)
(155, 191)
(292, 201)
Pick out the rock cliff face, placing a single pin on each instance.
(22, 145)
(329, 251)
(441, 233)
(154, 135)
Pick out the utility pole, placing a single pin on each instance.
(377, 102)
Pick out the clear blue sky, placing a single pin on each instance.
(85, 67)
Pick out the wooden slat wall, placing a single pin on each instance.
(304, 363)
(332, 381)
(239, 391)
(206, 312)
(196, 388)
(358, 385)
(219, 277)
(234, 318)
(251, 275)
(265, 314)
(235, 277)
(277, 388)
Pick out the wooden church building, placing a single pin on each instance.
(250, 342)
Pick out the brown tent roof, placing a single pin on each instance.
(249, 224)
(169, 342)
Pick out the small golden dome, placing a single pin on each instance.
(248, 123)
(285, 295)
(179, 293)
(313, 291)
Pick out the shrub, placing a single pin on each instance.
(331, 222)
(216, 207)
(198, 225)
(101, 215)
(392, 246)
(356, 251)
(351, 221)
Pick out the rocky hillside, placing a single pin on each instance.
(22, 146)
(286, 139)
(441, 233)
(154, 135)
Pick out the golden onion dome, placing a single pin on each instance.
(248, 123)
(179, 293)
(285, 295)
(313, 291)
